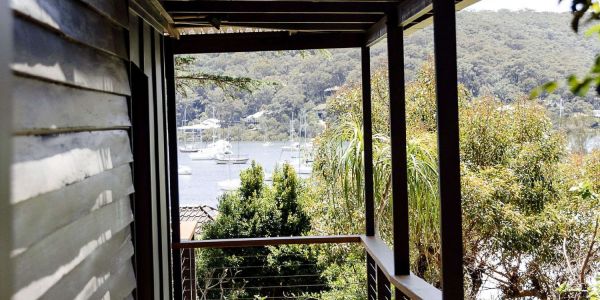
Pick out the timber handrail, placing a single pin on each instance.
(268, 241)
(410, 285)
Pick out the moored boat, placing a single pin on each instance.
(188, 149)
(235, 159)
(294, 146)
(212, 151)
(229, 184)
(184, 170)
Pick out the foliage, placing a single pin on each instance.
(257, 210)
(339, 171)
(499, 53)
(511, 230)
(580, 206)
(188, 78)
(585, 11)
(529, 210)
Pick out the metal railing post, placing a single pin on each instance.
(368, 141)
(395, 36)
(444, 34)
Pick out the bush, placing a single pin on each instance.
(257, 210)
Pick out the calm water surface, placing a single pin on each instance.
(201, 187)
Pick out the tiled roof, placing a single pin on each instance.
(201, 214)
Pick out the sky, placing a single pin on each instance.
(537, 5)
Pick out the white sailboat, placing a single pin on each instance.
(188, 149)
(236, 159)
(212, 151)
(299, 151)
(293, 146)
(229, 185)
(184, 170)
(268, 177)
(189, 135)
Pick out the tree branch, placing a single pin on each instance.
(586, 261)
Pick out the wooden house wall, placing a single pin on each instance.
(71, 176)
(5, 151)
(146, 52)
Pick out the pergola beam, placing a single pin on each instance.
(410, 13)
(290, 7)
(377, 32)
(281, 18)
(264, 41)
(412, 16)
(286, 26)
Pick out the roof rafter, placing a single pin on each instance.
(282, 18)
(293, 7)
(286, 26)
(265, 41)
(412, 16)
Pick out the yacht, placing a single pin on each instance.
(229, 185)
(211, 151)
(184, 170)
(236, 159)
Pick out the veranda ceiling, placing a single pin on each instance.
(328, 16)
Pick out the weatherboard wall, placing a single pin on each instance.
(71, 176)
(5, 151)
(147, 54)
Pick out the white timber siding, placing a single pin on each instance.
(5, 151)
(71, 177)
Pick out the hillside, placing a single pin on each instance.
(502, 53)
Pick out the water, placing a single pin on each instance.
(201, 187)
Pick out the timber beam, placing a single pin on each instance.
(285, 26)
(376, 32)
(264, 41)
(291, 7)
(279, 18)
(413, 15)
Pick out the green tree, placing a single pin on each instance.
(257, 210)
(530, 213)
(189, 78)
(339, 176)
(584, 13)
(511, 232)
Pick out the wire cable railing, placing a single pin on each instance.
(265, 276)
(297, 279)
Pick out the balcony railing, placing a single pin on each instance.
(381, 279)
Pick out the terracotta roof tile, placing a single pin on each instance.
(201, 214)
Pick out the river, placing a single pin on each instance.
(201, 188)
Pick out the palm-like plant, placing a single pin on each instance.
(339, 172)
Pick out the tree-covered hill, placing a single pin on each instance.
(502, 53)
